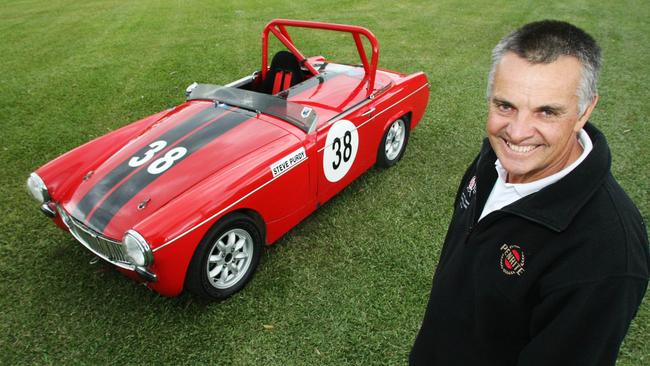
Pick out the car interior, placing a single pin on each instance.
(284, 73)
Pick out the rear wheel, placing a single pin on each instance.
(393, 144)
(226, 258)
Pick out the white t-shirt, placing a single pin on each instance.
(504, 193)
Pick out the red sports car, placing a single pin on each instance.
(186, 198)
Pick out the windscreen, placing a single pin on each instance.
(296, 114)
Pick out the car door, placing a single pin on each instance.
(345, 149)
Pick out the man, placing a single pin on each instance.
(546, 258)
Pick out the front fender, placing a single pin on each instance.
(176, 229)
(63, 174)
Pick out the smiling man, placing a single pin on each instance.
(546, 258)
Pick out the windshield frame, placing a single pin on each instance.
(303, 117)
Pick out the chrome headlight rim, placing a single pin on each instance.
(134, 243)
(37, 188)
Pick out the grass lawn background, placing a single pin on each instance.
(349, 285)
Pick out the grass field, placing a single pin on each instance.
(349, 285)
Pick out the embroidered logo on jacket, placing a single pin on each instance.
(468, 193)
(512, 260)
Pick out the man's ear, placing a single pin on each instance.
(582, 120)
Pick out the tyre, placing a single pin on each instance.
(226, 258)
(393, 144)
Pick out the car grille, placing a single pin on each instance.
(103, 247)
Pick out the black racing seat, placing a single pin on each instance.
(284, 73)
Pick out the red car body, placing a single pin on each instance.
(271, 156)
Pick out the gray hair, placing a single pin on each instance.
(544, 42)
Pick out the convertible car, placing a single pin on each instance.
(186, 198)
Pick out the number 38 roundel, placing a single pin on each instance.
(341, 148)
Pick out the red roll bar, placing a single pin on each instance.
(278, 28)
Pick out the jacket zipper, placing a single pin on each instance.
(492, 216)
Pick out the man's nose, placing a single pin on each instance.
(521, 126)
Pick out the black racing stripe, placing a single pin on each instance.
(90, 200)
(309, 84)
(124, 193)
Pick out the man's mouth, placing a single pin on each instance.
(520, 148)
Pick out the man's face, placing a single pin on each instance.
(533, 116)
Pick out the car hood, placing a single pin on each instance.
(185, 147)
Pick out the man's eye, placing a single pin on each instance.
(548, 113)
(504, 107)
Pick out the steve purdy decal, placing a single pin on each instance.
(286, 163)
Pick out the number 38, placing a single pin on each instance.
(347, 149)
(161, 164)
(340, 149)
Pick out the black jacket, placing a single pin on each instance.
(552, 279)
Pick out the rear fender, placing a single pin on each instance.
(418, 101)
(411, 105)
(395, 116)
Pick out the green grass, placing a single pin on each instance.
(349, 285)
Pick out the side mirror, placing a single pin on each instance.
(190, 88)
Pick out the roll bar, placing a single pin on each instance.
(279, 29)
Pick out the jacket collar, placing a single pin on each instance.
(556, 205)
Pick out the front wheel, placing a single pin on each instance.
(393, 143)
(226, 258)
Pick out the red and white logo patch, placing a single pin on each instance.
(512, 260)
(468, 193)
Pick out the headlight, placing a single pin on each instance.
(37, 188)
(137, 249)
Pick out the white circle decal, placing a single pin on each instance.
(341, 148)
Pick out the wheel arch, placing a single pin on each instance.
(254, 215)
(193, 279)
(407, 115)
(381, 160)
